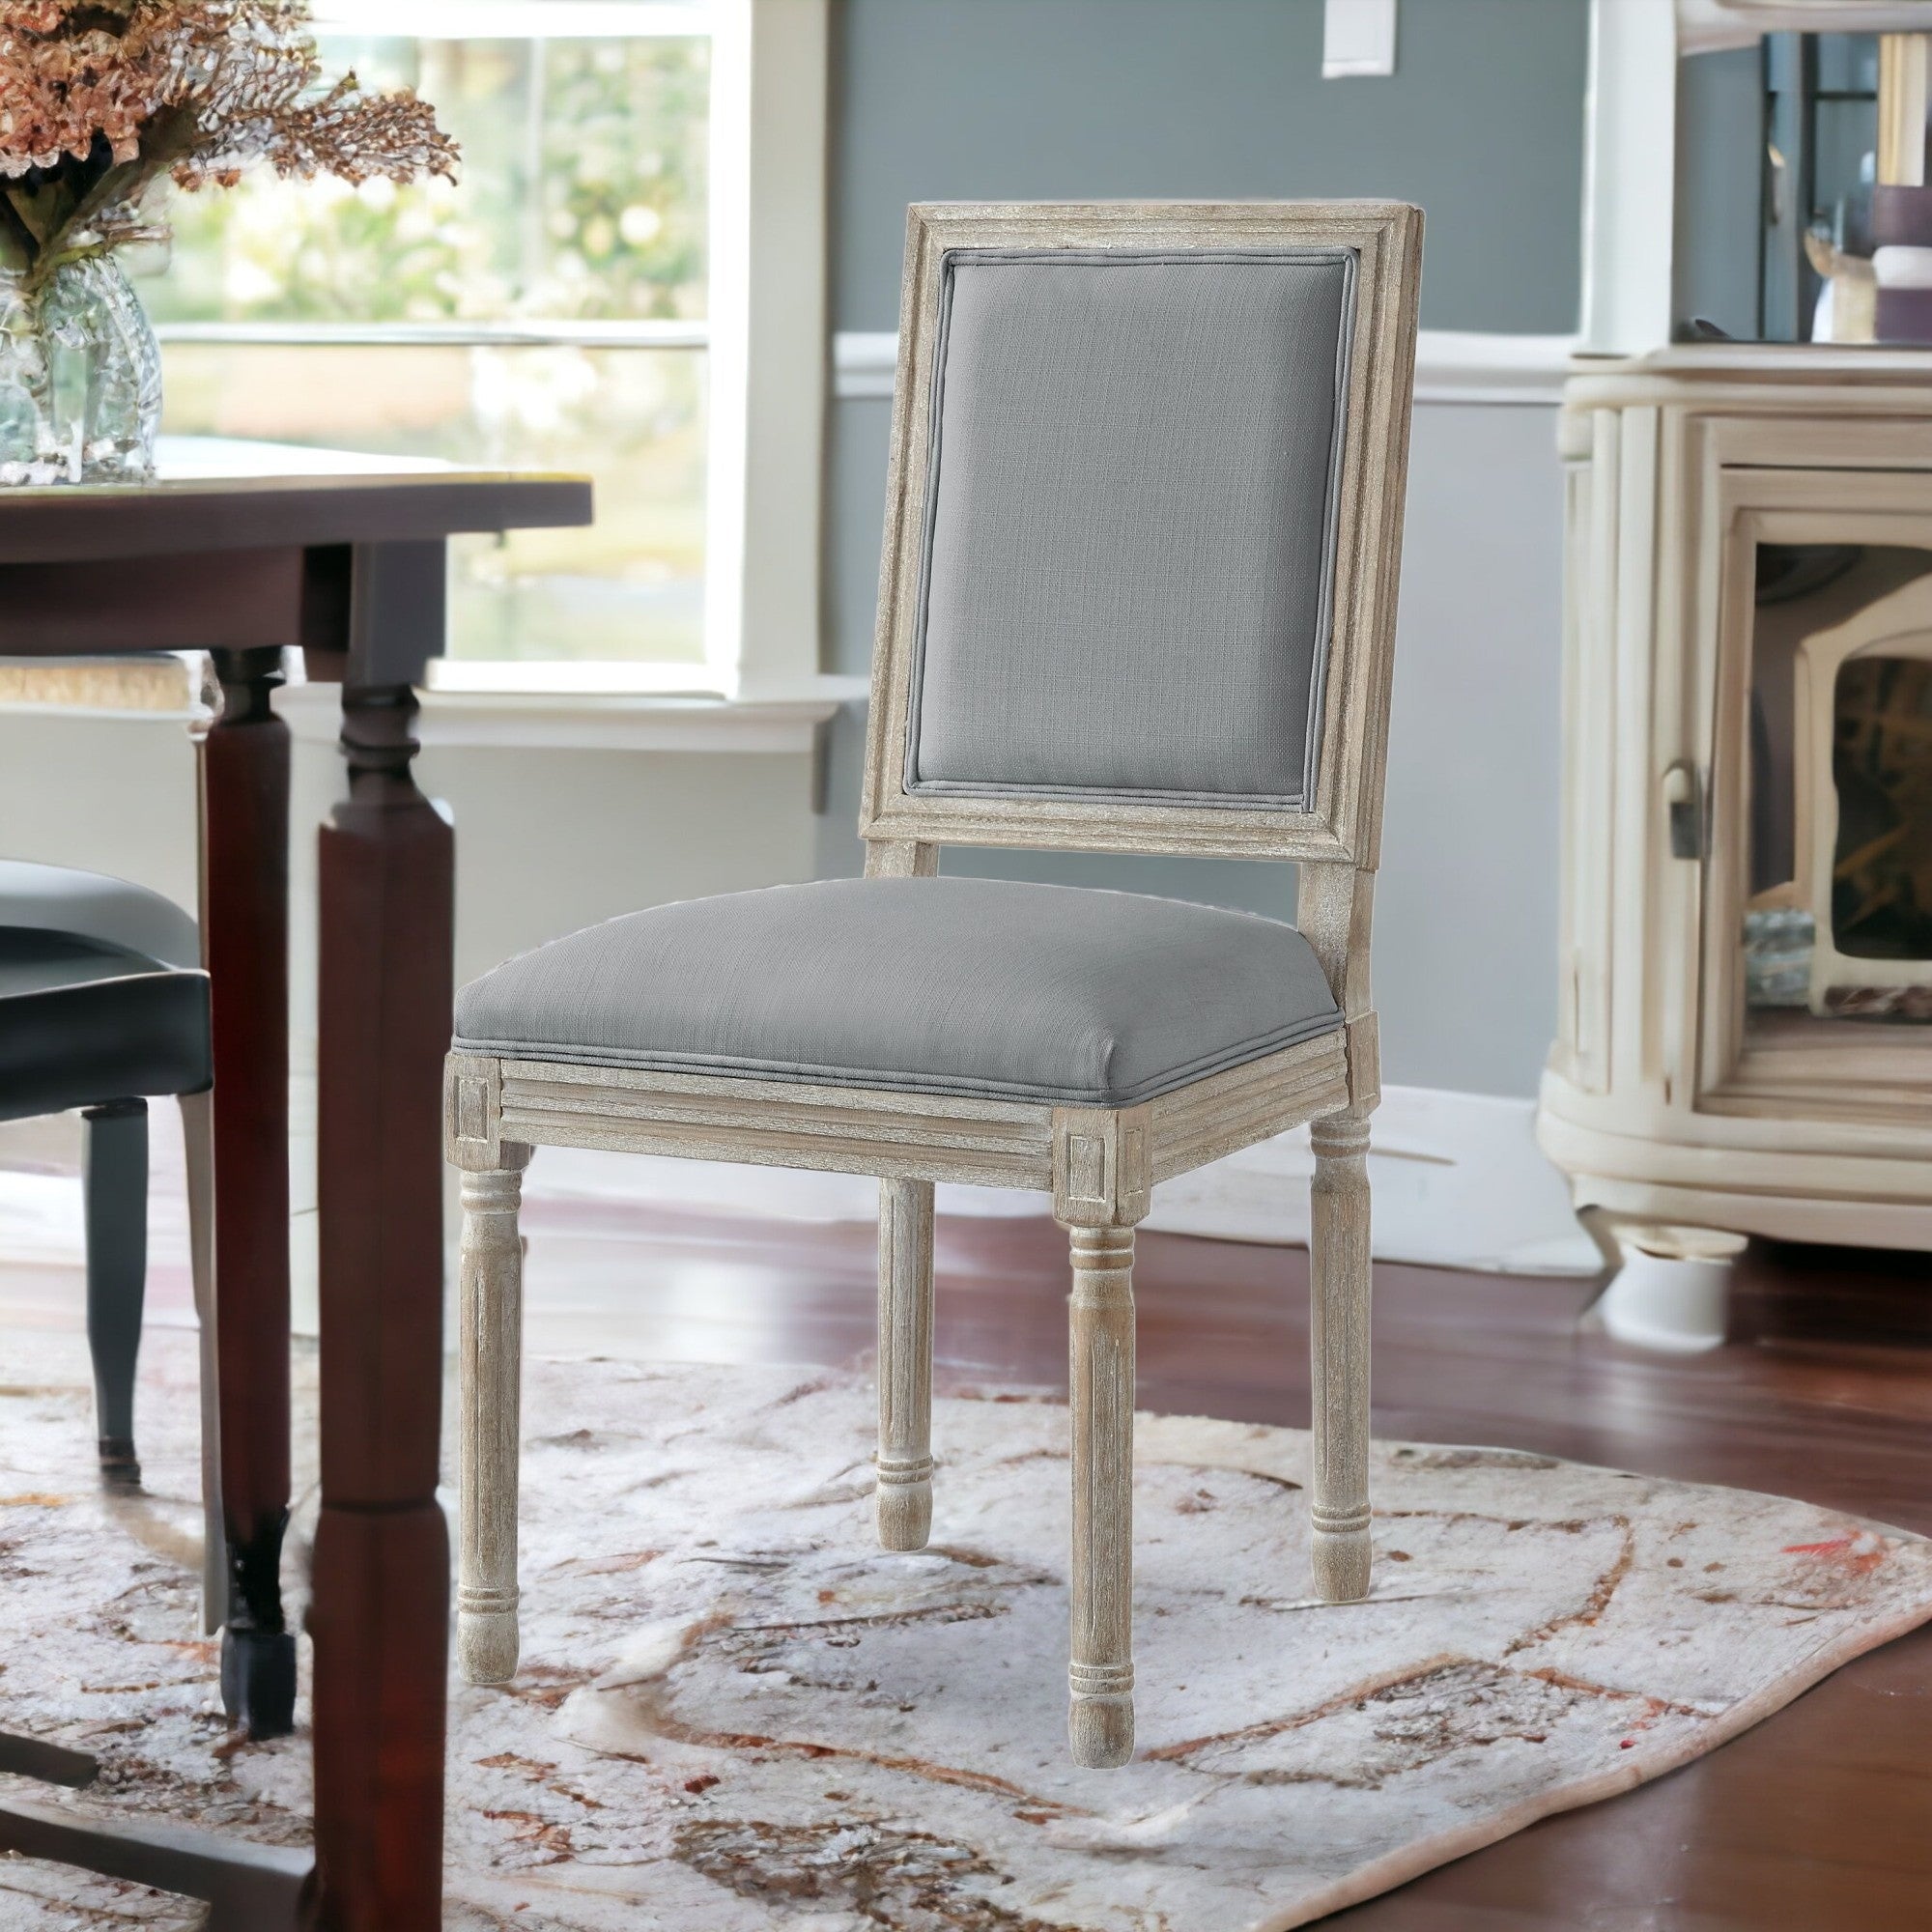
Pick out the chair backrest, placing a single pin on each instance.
(1143, 527)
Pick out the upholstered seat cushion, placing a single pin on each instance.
(84, 1021)
(947, 985)
(93, 906)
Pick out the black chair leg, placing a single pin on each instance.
(115, 1179)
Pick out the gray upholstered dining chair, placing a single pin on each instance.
(1137, 595)
(102, 1003)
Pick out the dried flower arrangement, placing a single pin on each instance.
(101, 100)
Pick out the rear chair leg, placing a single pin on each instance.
(490, 1378)
(904, 1459)
(115, 1185)
(198, 1141)
(1339, 1357)
(1100, 1678)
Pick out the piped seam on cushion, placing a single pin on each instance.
(797, 1073)
(912, 785)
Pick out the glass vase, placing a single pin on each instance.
(80, 377)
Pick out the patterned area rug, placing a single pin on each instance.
(735, 1715)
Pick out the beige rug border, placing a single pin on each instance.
(1426, 1854)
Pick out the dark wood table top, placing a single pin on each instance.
(215, 494)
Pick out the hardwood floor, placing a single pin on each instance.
(1818, 1821)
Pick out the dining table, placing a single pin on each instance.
(249, 552)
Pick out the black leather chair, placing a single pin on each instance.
(102, 1003)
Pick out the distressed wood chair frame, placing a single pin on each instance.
(1100, 1165)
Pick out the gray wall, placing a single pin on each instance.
(1714, 259)
(1482, 125)
(1034, 99)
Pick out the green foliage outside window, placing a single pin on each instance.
(582, 198)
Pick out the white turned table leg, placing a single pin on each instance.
(1339, 1357)
(1100, 1678)
(490, 1375)
(904, 1459)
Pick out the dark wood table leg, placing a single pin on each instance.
(246, 829)
(382, 1562)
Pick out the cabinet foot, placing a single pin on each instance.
(1671, 1288)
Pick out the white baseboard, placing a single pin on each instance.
(1458, 1181)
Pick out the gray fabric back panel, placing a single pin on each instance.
(1130, 524)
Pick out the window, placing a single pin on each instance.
(577, 301)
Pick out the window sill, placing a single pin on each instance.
(781, 722)
(169, 686)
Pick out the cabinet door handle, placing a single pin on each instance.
(1684, 803)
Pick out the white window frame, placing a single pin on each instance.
(764, 334)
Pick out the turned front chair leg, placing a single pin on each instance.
(1100, 1678)
(490, 1378)
(904, 1459)
(1339, 1357)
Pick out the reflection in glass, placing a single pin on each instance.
(1777, 158)
(1882, 857)
(1838, 919)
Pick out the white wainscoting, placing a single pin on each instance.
(1458, 1181)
